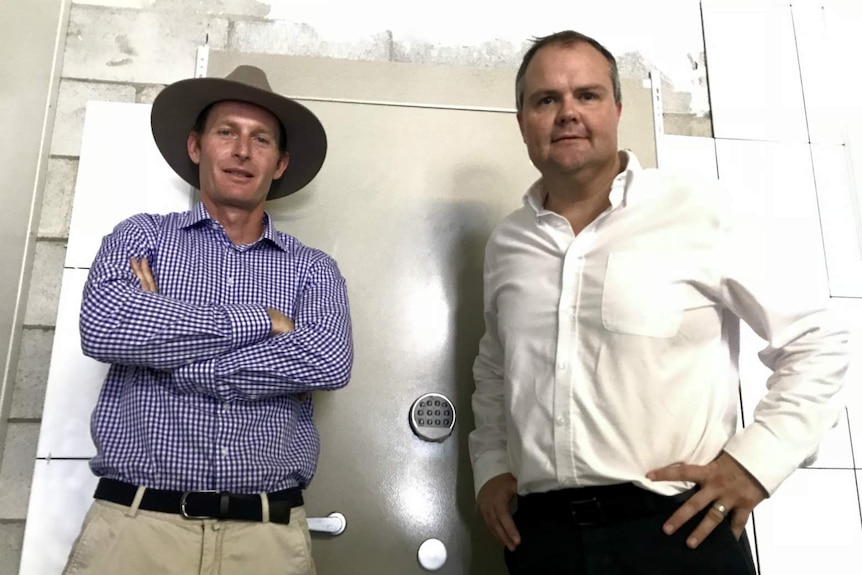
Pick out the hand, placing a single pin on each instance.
(141, 269)
(280, 322)
(494, 498)
(724, 482)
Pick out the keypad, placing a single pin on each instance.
(432, 417)
(433, 412)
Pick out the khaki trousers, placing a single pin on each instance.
(119, 540)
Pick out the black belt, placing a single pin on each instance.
(600, 505)
(204, 504)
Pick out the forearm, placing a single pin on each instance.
(306, 359)
(802, 403)
(772, 288)
(488, 442)
(123, 324)
(316, 353)
(488, 461)
(125, 321)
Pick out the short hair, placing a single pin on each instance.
(564, 38)
(201, 124)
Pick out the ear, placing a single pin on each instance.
(520, 118)
(281, 165)
(193, 144)
(619, 110)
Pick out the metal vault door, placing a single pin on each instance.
(423, 161)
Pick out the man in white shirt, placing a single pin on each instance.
(604, 384)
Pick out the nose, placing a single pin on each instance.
(242, 146)
(568, 110)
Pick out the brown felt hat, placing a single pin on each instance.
(178, 106)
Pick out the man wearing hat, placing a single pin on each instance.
(217, 328)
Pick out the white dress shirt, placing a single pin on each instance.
(606, 354)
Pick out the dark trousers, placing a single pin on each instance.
(617, 530)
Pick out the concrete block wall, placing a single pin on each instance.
(128, 50)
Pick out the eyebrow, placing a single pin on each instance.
(593, 88)
(233, 123)
(542, 92)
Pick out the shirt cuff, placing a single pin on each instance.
(762, 455)
(196, 378)
(248, 324)
(488, 466)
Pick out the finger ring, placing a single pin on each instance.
(720, 508)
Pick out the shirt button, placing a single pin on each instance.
(226, 405)
(229, 281)
(561, 420)
(563, 366)
(224, 451)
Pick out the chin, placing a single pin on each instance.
(239, 200)
(570, 166)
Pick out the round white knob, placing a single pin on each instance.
(432, 554)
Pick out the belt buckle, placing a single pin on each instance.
(183, 501)
(586, 512)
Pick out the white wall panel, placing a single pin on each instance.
(689, 155)
(843, 21)
(818, 68)
(850, 311)
(754, 83)
(777, 179)
(843, 221)
(811, 525)
(102, 198)
(60, 497)
(74, 380)
(841, 218)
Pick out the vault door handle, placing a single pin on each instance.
(334, 524)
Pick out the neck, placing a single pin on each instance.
(242, 225)
(581, 196)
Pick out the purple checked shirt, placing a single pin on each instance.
(198, 395)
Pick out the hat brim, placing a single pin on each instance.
(177, 107)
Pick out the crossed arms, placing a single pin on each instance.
(227, 351)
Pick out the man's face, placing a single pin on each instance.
(569, 118)
(238, 155)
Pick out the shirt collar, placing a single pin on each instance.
(271, 234)
(195, 216)
(620, 189)
(200, 214)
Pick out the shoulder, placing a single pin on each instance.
(513, 225)
(149, 230)
(679, 184)
(686, 193)
(303, 254)
(153, 222)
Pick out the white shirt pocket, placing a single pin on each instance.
(640, 295)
